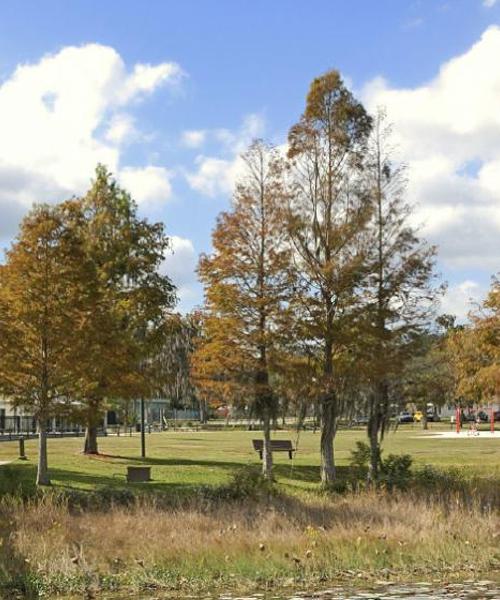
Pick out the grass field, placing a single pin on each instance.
(181, 460)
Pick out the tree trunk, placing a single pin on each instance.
(328, 409)
(42, 476)
(379, 407)
(267, 455)
(425, 423)
(90, 444)
(328, 417)
(373, 468)
(203, 412)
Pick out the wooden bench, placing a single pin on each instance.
(276, 446)
(138, 474)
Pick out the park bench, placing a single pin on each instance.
(276, 446)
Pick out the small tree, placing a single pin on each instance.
(428, 376)
(41, 288)
(247, 281)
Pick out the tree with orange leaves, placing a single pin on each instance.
(247, 283)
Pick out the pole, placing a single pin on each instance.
(457, 419)
(492, 420)
(22, 454)
(143, 429)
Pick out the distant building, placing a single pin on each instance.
(158, 411)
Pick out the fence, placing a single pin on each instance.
(14, 426)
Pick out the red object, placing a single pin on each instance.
(457, 419)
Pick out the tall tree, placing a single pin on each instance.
(127, 300)
(41, 288)
(327, 219)
(247, 280)
(400, 293)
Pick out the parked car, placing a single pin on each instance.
(405, 417)
(496, 415)
(433, 417)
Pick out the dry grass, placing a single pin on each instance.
(233, 545)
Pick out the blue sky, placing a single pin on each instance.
(212, 74)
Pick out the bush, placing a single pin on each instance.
(247, 483)
(360, 458)
(396, 471)
(339, 486)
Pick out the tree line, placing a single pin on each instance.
(319, 294)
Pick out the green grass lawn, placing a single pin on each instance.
(182, 460)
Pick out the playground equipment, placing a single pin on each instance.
(489, 411)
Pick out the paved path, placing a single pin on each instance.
(463, 435)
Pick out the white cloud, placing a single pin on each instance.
(146, 78)
(461, 298)
(121, 129)
(60, 116)
(194, 138)
(216, 175)
(489, 3)
(147, 185)
(448, 131)
(180, 266)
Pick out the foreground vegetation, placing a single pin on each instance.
(209, 521)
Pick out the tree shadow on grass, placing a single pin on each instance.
(21, 476)
(307, 473)
(17, 478)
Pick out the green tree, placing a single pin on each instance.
(428, 376)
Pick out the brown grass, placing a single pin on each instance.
(371, 535)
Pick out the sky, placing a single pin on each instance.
(168, 94)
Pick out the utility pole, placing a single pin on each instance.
(143, 429)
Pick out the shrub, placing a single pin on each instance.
(339, 486)
(360, 458)
(396, 471)
(247, 483)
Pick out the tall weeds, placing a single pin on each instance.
(55, 545)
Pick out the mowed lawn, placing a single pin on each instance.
(182, 460)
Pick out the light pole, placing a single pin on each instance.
(143, 429)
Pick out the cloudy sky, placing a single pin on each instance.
(167, 94)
